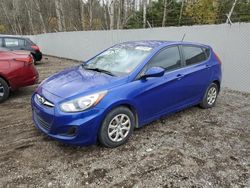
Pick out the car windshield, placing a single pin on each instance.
(119, 60)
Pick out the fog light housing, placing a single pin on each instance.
(71, 132)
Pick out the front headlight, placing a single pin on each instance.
(83, 103)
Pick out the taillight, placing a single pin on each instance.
(27, 60)
(217, 58)
(34, 47)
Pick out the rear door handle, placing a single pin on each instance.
(208, 66)
(180, 76)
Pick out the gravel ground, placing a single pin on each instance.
(191, 148)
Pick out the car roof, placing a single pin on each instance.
(158, 43)
(14, 37)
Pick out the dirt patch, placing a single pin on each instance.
(191, 148)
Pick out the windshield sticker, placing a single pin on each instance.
(143, 48)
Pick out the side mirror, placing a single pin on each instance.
(154, 72)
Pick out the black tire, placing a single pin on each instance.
(205, 101)
(34, 59)
(4, 90)
(104, 135)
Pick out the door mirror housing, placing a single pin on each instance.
(154, 72)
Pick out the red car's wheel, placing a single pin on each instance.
(4, 90)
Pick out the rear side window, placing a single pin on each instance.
(21, 42)
(168, 58)
(207, 51)
(12, 42)
(193, 55)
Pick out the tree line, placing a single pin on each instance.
(42, 16)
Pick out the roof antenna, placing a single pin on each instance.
(183, 37)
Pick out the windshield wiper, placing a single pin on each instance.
(99, 70)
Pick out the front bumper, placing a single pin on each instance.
(70, 128)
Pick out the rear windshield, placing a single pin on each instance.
(29, 41)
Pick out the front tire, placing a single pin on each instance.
(4, 90)
(117, 127)
(210, 96)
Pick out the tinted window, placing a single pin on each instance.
(9, 42)
(168, 59)
(207, 51)
(21, 42)
(1, 42)
(12, 42)
(193, 55)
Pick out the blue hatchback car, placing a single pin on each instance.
(125, 87)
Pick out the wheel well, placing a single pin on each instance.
(5, 80)
(132, 109)
(217, 83)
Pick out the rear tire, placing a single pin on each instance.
(4, 90)
(117, 127)
(210, 96)
(34, 59)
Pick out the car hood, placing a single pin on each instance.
(76, 81)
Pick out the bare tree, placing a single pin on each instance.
(231, 12)
(105, 14)
(90, 14)
(38, 9)
(111, 14)
(118, 23)
(81, 4)
(144, 4)
(14, 31)
(59, 15)
(30, 17)
(181, 12)
(15, 14)
(164, 13)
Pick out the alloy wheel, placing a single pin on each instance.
(1, 90)
(119, 127)
(211, 95)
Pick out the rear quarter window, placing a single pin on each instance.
(21, 42)
(194, 55)
(207, 51)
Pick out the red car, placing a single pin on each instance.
(16, 70)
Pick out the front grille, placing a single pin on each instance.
(41, 121)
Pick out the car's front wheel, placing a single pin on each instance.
(4, 90)
(117, 127)
(210, 96)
